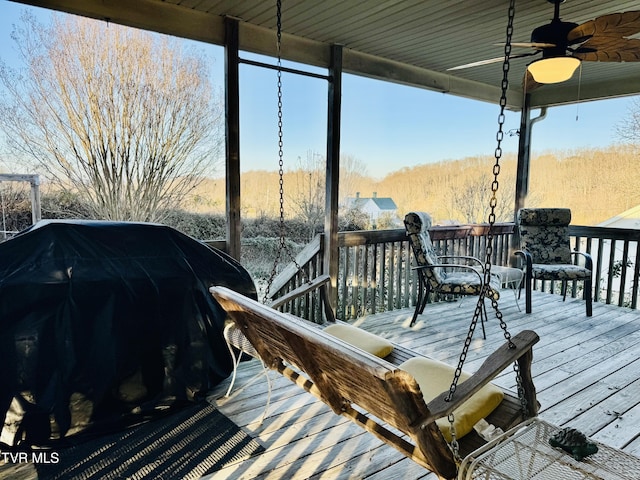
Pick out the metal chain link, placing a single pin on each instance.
(282, 245)
(486, 288)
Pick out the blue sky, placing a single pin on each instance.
(385, 126)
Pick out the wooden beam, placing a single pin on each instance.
(232, 137)
(162, 17)
(574, 92)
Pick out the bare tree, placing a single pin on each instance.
(470, 200)
(308, 198)
(124, 118)
(353, 173)
(628, 129)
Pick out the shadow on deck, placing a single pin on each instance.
(585, 370)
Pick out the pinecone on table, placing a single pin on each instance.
(573, 442)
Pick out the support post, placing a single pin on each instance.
(232, 128)
(522, 173)
(36, 206)
(524, 165)
(524, 156)
(330, 262)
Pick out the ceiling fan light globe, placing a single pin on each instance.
(553, 70)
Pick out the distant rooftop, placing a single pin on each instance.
(383, 203)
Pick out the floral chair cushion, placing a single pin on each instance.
(559, 272)
(462, 283)
(417, 225)
(443, 280)
(544, 233)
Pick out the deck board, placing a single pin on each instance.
(585, 370)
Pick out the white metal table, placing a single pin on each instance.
(524, 453)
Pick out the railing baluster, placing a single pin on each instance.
(623, 273)
(636, 275)
(374, 279)
(612, 257)
(383, 269)
(598, 272)
(407, 274)
(389, 288)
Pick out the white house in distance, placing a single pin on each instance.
(375, 207)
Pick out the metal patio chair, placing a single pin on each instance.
(545, 247)
(439, 274)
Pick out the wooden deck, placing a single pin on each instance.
(586, 370)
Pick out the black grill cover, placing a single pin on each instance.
(105, 324)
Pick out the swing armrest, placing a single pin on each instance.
(303, 289)
(498, 361)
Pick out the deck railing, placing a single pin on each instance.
(616, 262)
(375, 272)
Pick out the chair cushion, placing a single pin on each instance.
(463, 283)
(417, 225)
(544, 216)
(435, 377)
(361, 339)
(559, 272)
(544, 233)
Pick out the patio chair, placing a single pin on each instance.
(439, 274)
(545, 247)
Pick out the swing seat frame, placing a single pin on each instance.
(373, 392)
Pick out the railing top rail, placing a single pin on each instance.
(604, 232)
(438, 232)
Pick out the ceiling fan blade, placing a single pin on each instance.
(582, 50)
(578, 40)
(489, 61)
(536, 45)
(612, 25)
(609, 49)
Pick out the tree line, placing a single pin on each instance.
(596, 183)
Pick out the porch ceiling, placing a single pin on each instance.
(412, 42)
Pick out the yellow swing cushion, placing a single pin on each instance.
(361, 339)
(435, 377)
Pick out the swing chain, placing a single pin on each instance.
(486, 288)
(493, 202)
(282, 245)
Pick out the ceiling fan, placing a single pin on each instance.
(564, 44)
